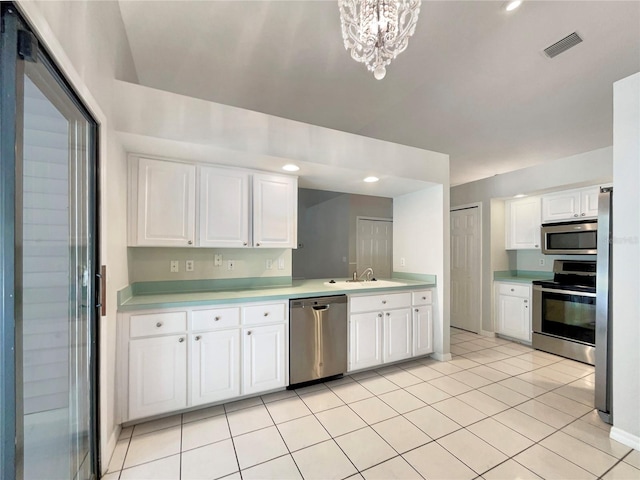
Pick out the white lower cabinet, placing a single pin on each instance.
(157, 375)
(513, 311)
(397, 335)
(211, 354)
(215, 366)
(389, 327)
(365, 349)
(422, 330)
(263, 358)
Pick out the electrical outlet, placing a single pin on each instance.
(188, 265)
(403, 262)
(175, 268)
(269, 264)
(281, 264)
(230, 264)
(541, 261)
(217, 260)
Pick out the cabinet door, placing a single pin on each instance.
(166, 203)
(365, 331)
(589, 202)
(561, 206)
(513, 317)
(263, 363)
(275, 208)
(397, 335)
(224, 208)
(422, 330)
(523, 223)
(157, 375)
(215, 366)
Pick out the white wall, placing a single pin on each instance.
(590, 168)
(421, 238)
(88, 42)
(626, 261)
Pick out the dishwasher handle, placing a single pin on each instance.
(321, 307)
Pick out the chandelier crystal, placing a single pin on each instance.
(376, 31)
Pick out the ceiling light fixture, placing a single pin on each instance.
(371, 179)
(290, 167)
(376, 31)
(513, 5)
(519, 195)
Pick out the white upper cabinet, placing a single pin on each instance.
(166, 199)
(235, 208)
(523, 223)
(224, 208)
(570, 205)
(275, 210)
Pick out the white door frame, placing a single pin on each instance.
(377, 219)
(468, 206)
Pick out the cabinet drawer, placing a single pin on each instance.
(215, 318)
(157, 324)
(421, 297)
(380, 302)
(514, 290)
(270, 313)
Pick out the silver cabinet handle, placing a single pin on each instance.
(198, 337)
(190, 242)
(216, 319)
(181, 339)
(249, 332)
(266, 314)
(159, 324)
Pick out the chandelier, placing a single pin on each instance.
(376, 31)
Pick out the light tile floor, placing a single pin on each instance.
(497, 410)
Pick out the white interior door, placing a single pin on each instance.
(374, 240)
(465, 269)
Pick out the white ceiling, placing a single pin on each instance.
(473, 82)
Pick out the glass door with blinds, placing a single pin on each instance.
(54, 239)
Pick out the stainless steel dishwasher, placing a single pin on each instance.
(317, 338)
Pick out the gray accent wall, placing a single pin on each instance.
(590, 168)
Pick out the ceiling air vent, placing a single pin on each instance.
(563, 45)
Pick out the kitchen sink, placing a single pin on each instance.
(351, 285)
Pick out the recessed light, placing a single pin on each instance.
(290, 167)
(513, 5)
(520, 195)
(371, 179)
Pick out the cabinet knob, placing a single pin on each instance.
(216, 319)
(249, 332)
(198, 337)
(512, 290)
(181, 339)
(379, 315)
(526, 301)
(266, 314)
(159, 324)
(388, 314)
(384, 302)
(582, 214)
(190, 242)
(575, 214)
(417, 310)
(537, 246)
(257, 244)
(244, 243)
(424, 298)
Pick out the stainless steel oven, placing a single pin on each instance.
(570, 238)
(564, 311)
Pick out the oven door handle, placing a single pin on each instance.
(564, 292)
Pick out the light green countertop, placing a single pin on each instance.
(521, 276)
(130, 301)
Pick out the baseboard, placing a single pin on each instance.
(109, 448)
(625, 438)
(487, 333)
(441, 357)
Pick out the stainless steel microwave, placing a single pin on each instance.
(570, 238)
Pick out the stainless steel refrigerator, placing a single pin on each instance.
(604, 324)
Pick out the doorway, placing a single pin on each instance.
(466, 306)
(48, 224)
(374, 246)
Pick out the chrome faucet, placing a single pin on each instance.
(367, 273)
